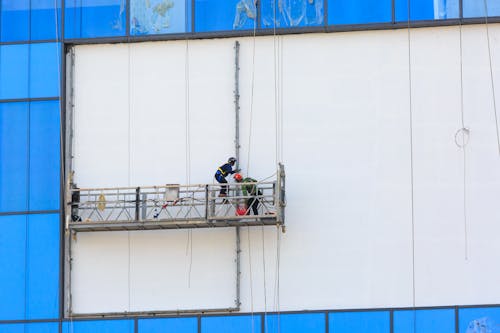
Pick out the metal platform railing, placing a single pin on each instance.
(177, 206)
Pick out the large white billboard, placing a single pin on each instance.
(384, 209)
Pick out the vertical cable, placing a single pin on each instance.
(412, 174)
(189, 244)
(252, 88)
(129, 91)
(264, 272)
(464, 152)
(485, 2)
(251, 276)
(277, 277)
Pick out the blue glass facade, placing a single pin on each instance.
(32, 36)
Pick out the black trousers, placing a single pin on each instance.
(222, 180)
(254, 203)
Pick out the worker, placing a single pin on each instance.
(222, 172)
(251, 191)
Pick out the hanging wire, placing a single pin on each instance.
(412, 174)
(464, 133)
(129, 90)
(189, 244)
(251, 276)
(485, 2)
(277, 304)
(264, 272)
(252, 89)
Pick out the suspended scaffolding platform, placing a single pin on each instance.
(177, 206)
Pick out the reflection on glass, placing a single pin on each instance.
(483, 325)
(292, 13)
(427, 9)
(157, 16)
(478, 8)
(225, 15)
(94, 18)
(245, 9)
(14, 20)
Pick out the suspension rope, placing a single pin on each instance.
(129, 90)
(252, 88)
(251, 276)
(485, 2)
(264, 272)
(464, 131)
(277, 305)
(412, 174)
(189, 244)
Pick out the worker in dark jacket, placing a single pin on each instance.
(222, 172)
(251, 191)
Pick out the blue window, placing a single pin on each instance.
(298, 13)
(99, 326)
(359, 11)
(94, 18)
(30, 266)
(231, 324)
(291, 323)
(43, 19)
(44, 69)
(13, 157)
(216, 15)
(168, 325)
(424, 321)
(14, 19)
(42, 287)
(158, 16)
(30, 328)
(12, 261)
(44, 155)
(359, 322)
(14, 69)
(479, 320)
(478, 8)
(427, 9)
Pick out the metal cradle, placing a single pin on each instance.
(175, 206)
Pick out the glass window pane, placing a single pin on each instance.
(14, 69)
(99, 326)
(15, 15)
(479, 320)
(425, 321)
(231, 324)
(427, 9)
(44, 69)
(13, 157)
(298, 13)
(43, 19)
(94, 18)
(12, 263)
(216, 15)
(359, 11)
(359, 322)
(44, 156)
(43, 266)
(169, 325)
(30, 328)
(477, 8)
(291, 323)
(158, 16)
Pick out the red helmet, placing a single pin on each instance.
(238, 177)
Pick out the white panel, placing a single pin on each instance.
(346, 148)
(164, 275)
(101, 116)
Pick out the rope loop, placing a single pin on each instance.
(464, 132)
